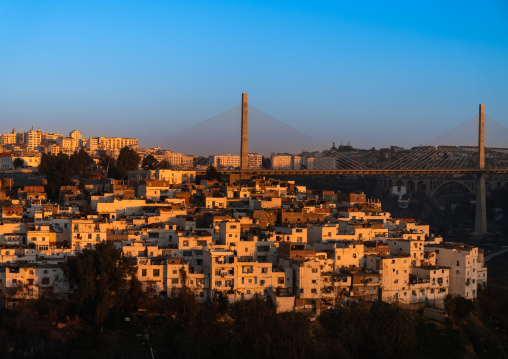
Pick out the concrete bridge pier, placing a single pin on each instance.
(244, 144)
(480, 221)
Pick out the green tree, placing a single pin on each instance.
(108, 165)
(18, 163)
(458, 307)
(128, 160)
(213, 174)
(58, 171)
(165, 165)
(81, 162)
(149, 163)
(99, 277)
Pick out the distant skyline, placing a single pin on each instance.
(371, 73)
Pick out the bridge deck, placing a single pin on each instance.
(356, 172)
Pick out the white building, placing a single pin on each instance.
(224, 161)
(467, 269)
(33, 138)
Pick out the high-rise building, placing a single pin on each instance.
(8, 138)
(33, 138)
(77, 138)
(255, 161)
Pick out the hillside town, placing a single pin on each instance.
(231, 238)
(25, 149)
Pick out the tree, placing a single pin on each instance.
(80, 162)
(213, 174)
(149, 163)
(99, 276)
(58, 171)
(128, 160)
(18, 163)
(165, 165)
(458, 307)
(107, 164)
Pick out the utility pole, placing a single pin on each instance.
(480, 222)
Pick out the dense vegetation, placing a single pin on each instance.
(110, 316)
(60, 169)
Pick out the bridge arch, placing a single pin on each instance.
(447, 185)
(411, 186)
(421, 186)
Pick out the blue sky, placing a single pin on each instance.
(370, 72)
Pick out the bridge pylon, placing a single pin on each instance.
(480, 223)
(244, 144)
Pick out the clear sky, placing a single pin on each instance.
(375, 73)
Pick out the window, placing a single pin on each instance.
(175, 271)
(458, 263)
(156, 272)
(45, 280)
(314, 270)
(218, 283)
(313, 291)
(314, 281)
(174, 280)
(143, 272)
(280, 281)
(262, 282)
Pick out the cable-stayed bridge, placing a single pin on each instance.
(455, 152)
(247, 141)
